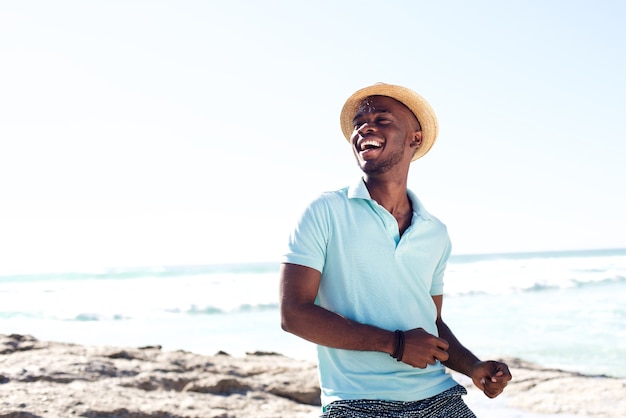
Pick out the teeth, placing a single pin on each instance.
(370, 143)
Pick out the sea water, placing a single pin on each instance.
(564, 310)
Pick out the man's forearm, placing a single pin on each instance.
(461, 359)
(329, 329)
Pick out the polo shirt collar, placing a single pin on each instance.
(359, 191)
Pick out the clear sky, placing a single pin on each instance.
(169, 132)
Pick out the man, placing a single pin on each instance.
(363, 276)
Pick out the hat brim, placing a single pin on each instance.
(416, 104)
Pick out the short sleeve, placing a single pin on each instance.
(437, 283)
(308, 241)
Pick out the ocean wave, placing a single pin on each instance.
(261, 307)
(209, 310)
(90, 316)
(124, 273)
(539, 255)
(540, 286)
(243, 308)
(610, 280)
(136, 314)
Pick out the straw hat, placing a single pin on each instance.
(416, 103)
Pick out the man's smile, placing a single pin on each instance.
(366, 146)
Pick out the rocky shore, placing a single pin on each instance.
(53, 379)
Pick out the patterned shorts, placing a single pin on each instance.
(447, 404)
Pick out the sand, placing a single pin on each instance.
(55, 379)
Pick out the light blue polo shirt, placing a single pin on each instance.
(373, 276)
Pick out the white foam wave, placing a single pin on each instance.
(505, 276)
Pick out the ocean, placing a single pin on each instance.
(564, 310)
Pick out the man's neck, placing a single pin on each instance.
(390, 193)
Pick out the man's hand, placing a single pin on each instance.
(422, 348)
(491, 377)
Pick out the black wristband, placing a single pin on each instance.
(398, 352)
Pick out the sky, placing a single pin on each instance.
(138, 133)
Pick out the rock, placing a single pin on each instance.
(58, 380)
(51, 379)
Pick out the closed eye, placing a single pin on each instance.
(377, 121)
(381, 118)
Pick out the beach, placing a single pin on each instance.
(71, 340)
(56, 379)
(564, 310)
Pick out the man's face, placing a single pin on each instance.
(386, 133)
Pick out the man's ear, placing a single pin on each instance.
(417, 139)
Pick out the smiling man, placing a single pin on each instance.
(363, 276)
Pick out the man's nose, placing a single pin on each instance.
(365, 128)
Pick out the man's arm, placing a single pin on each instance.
(489, 376)
(301, 316)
